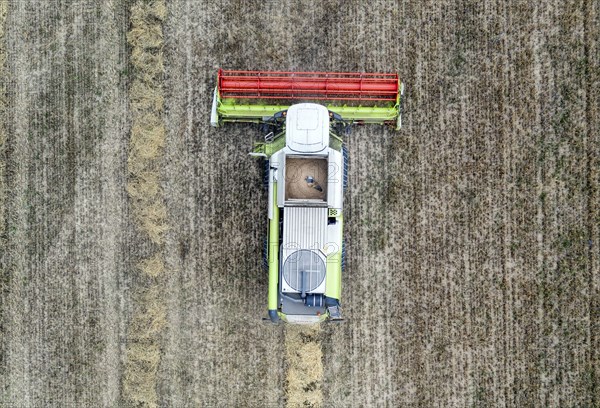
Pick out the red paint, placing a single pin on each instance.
(308, 85)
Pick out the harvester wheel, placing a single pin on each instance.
(266, 174)
(343, 254)
(345, 158)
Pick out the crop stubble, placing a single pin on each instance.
(473, 265)
(66, 208)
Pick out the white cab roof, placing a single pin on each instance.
(307, 128)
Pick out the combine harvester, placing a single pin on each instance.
(305, 115)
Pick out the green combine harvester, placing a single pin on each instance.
(305, 116)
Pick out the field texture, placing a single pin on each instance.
(131, 232)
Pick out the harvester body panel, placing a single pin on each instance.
(308, 232)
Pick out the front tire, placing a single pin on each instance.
(345, 160)
(266, 169)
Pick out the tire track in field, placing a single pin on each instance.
(145, 152)
(563, 191)
(591, 70)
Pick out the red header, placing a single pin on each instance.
(308, 85)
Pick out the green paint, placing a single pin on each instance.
(273, 250)
(333, 279)
(278, 143)
(256, 113)
(335, 142)
(230, 111)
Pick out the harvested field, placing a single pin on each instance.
(473, 263)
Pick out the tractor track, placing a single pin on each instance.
(592, 142)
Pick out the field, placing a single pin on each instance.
(131, 231)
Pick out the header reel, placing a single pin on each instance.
(264, 96)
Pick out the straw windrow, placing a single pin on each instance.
(145, 152)
(304, 377)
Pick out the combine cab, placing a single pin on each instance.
(305, 116)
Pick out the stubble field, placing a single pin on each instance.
(473, 262)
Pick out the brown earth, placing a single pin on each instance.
(472, 235)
